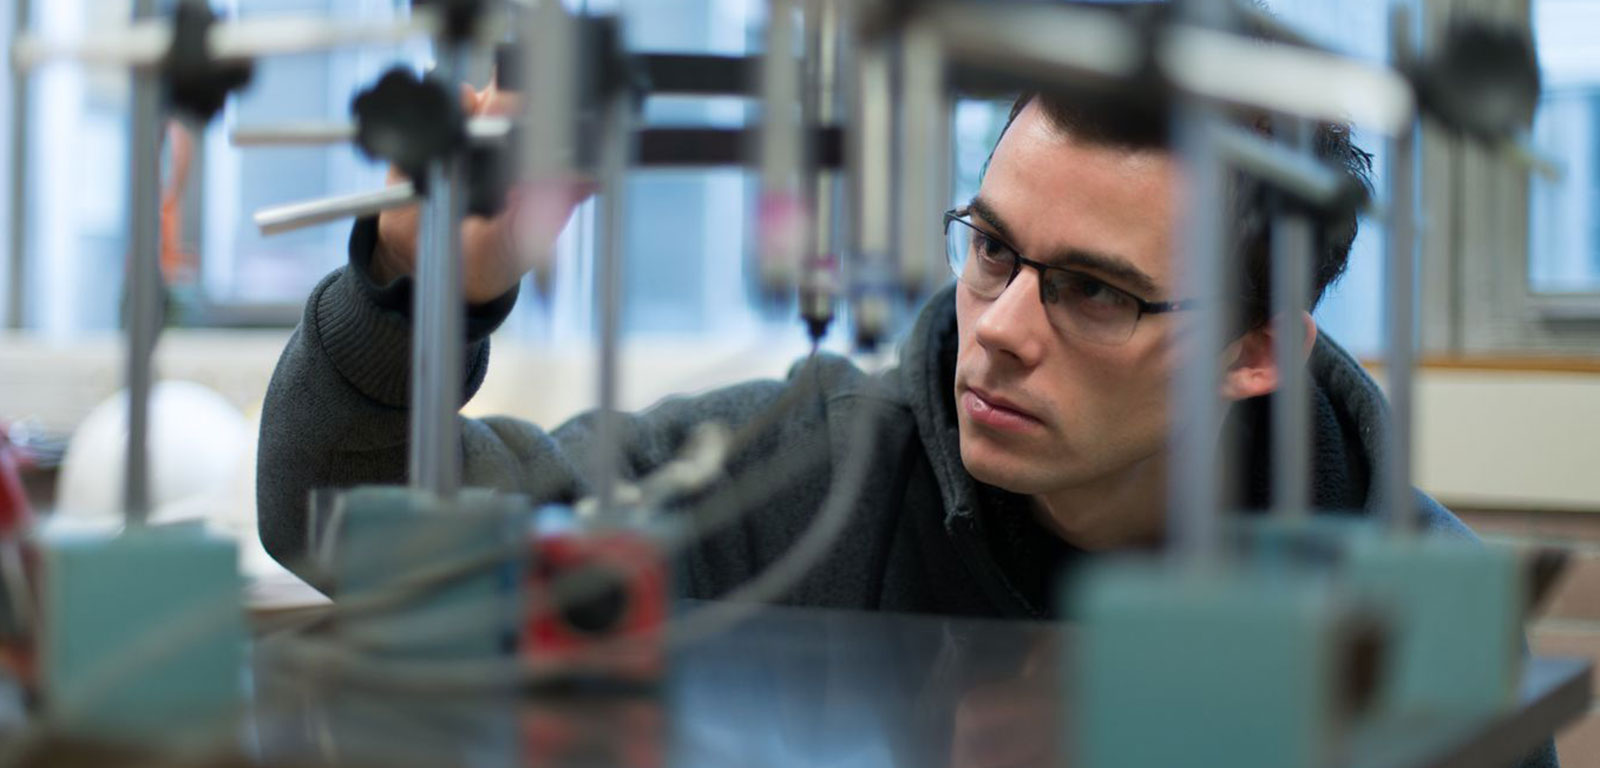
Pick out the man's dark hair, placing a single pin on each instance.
(1099, 122)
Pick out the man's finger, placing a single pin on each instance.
(497, 103)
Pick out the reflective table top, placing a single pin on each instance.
(805, 687)
(788, 688)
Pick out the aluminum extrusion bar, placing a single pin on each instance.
(479, 129)
(1399, 302)
(782, 215)
(17, 218)
(547, 59)
(1194, 488)
(1293, 252)
(145, 43)
(1274, 76)
(287, 218)
(438, 336)
(871, 163)
(615, 155)
(923, 168)
(142, 285)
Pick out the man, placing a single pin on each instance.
(1024, 429)
(1024, 426)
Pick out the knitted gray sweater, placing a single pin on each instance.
(920, 538)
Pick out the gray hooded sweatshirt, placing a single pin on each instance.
(924, 536)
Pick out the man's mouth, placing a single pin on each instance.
(994, 411)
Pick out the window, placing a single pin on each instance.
(686, 244)
(1499, 271)
(75, 213)
(219, 269)
(10, 195)
(240, 268)
(1564, 237)
(1352, 309)
(1520, 253)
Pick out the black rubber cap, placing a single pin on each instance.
(410, 122)
(1483, 81)
(197, 84)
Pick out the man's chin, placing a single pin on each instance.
(1000, 470)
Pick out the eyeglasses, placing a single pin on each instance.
(1077, 303)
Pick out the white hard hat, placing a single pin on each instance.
(196, 441)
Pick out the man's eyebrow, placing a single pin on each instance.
(986, 212)
(1114, 267)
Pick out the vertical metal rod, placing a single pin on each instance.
(1293, 251)
(1194, 485)
(872, 163)
(16, 252)
(819, 279)
(438, 357)
(782, 218)
(616, 153)
(1400, 297)
(1195, 490)
(924, 143)
(143, 277)
(548, 61)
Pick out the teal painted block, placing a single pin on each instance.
(1235, 669)
(1318, 542)
(1456, 609)
(387, 535)
(142, 633)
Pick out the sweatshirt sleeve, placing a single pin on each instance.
(336, 411)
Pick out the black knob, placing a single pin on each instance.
(1483, 81)
(196, 83)
(410, 122)
(460, 16)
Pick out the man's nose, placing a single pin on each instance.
(1015, 324)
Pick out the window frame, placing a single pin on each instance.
(1478, 296)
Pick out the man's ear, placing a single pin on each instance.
(1251, 361)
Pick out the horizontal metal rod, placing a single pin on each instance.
(287, 218)
(479, 129)
(292, 134)
(657, 148)
(699, 74)
(1307, 178)
(1055, 45)
(1284, 78)
(1037, 40)
(145, 43)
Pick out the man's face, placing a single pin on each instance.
(1041, 410)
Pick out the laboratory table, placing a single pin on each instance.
(795, 687)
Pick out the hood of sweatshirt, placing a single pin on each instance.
(1349, 421)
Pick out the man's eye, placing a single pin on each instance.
(1085, 290)
(990, 252)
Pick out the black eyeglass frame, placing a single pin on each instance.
(959, 215)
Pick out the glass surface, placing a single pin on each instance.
(796, 687)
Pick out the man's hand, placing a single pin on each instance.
(492, 261)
